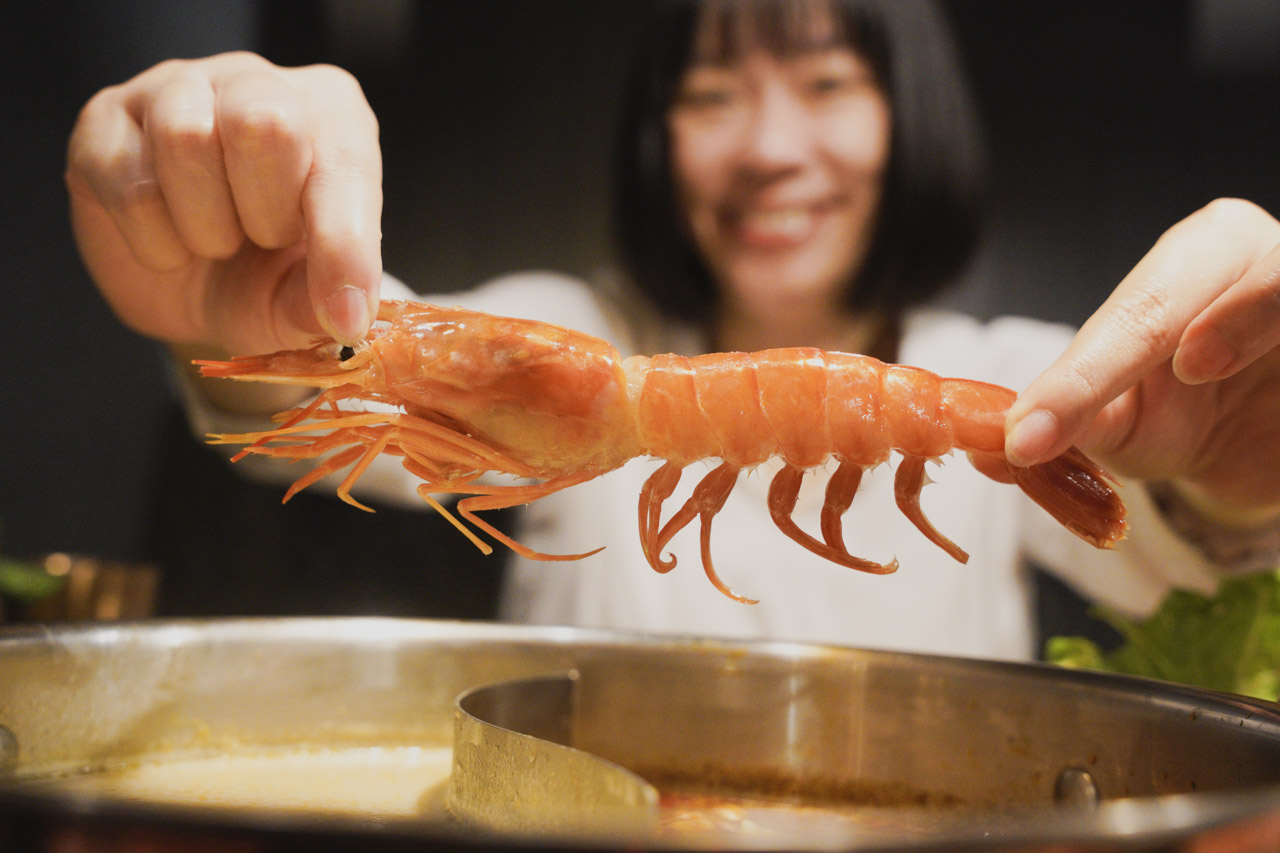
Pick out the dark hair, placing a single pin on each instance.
(927, 225)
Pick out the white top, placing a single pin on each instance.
(931, 604)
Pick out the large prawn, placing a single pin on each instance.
(471, 394)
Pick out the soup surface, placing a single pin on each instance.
(391, 783)
(379, 781)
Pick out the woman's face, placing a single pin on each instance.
(778, 164)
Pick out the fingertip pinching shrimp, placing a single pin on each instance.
(470, 394)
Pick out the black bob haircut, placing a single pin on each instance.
(928, 223)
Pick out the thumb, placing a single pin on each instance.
(342, 209)
(344, 260)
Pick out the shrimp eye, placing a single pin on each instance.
(345, 353)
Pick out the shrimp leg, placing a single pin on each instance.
(707, 500)
(785, 489)
(907, 484)
(656, 490)
(841, 489)
(710, 495)
(501, 497)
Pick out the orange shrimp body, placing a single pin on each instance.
(470, 394)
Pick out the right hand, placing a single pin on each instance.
(1176, 377)
(228, 205)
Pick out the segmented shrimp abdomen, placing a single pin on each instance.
(728, 391)
(977, 413)
(669, 422)
(855, 419)
(802, 404)
(793, 397)
(911, 401)
(740, 407)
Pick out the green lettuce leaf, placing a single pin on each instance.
(1230, 641)
(26, 581)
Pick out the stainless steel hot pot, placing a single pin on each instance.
(1021, 756)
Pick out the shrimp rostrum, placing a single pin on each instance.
(468, 394)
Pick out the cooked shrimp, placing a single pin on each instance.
(472, 394)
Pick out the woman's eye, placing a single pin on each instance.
(829, 85)
(706, 98)
(707, 89)
(837, 83)
(836, 72)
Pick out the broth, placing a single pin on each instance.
(377, 781)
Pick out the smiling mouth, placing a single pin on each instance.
(776, 227)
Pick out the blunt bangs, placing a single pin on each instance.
(726, 31)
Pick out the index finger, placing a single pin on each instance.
(1137, 328)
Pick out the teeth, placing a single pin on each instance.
(791, 222)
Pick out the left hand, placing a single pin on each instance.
(1176, 377)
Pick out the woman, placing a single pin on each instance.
(796, 142)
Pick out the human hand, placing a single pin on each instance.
(1176, 377)
(231, 205)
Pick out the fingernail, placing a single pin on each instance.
(1204, 358)
(1031, 438)
(348, 314)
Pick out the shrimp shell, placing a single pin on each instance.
(476, 394)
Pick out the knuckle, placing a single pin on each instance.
(1231, 207)
(1222, 216)
(275, 235)
(1084, 379)
(169, 258)
(344, 182)
(335, 77)
(227, 61)
(339, 165)
(243, 58)
(272, 227)
(223, 244)
(137, 198)
(181, 134)
(261, 126)
(337, 82)
(1143, 319)
(85, 145)
(1227, 214)
(82, 164)
(166, 68)
(1269, 286)
(101, 103)
(1135, 330)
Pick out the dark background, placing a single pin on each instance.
(1106, 121)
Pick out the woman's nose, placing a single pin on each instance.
(779, 134)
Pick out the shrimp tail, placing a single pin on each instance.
(1077, 492)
